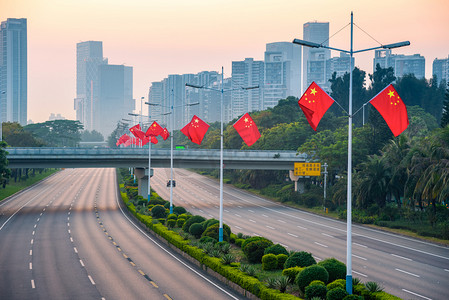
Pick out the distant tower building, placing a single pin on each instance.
(115, 97)
(401, 64)
(315, 58)
(339, 65)
(13, 71)
(282, 73)
(247, 73)
(89, 56)
(440, 68)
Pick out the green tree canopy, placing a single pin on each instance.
(57, 133)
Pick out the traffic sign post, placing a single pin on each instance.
(307, 169)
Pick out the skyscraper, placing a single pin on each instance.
(13, 71)
(440, 69)
(315, 58)
(89, 56)
(401, 64)
(282, 73)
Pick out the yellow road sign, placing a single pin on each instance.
(307, 169)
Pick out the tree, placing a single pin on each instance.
(91, 136)
(57, 133)
(4, 171)
(16, 136)
(445, 115)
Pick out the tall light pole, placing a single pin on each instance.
(349, 188)
(221, 90)
(1, 121)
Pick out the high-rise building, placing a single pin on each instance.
(315, 58)
(339, 65)
(401, 64)
(13, 71)
(89, 56)
(282, 73)
(115, 97)
(440, 69)
(247, 73)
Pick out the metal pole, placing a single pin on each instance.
(325, 181)
(363, 109)
(220, 230)
(349, 195)
(171, 152)
(149, 154)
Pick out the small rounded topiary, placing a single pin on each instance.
(316, 282)
(336, 283)
(213, 231)
(172, 217)
(316, 290)
(171, 223)
(180, 222)
(269, 262)
(299, 259)
(192, 220)
(251, 239)
(179, 210)
(335, 268)
(239, 242)
(336, 294)
(291, 273)
(309, 274)
(353, 297)
(255, 249)
(209, 222)
(276, 249)
(196, 229)
(207, 239)
(158, 212)
(281, 260)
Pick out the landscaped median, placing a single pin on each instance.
(252, 266)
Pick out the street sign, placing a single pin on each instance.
(307, 169)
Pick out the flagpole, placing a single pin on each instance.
(171, 151)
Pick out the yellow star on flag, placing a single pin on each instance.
(391, 93)
(313, 91)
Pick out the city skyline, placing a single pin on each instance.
(159, 38)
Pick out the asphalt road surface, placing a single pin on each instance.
(68, 238)
(405, 267)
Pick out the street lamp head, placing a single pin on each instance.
(127, 120)
(396, 45)
(193, 104)
(132, 114)
(306, 43)
(154, 104)
(141, 98)
(251, 87)
(194, 85)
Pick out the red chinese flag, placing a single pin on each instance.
(392, 108)
(247, 129)
(154, 130)
(195, 130)
(165, 134)
(127, 143)
(138, 133)
(123, 139)
(314, 104)
(154, 140)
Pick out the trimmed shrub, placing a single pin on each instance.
(291, 273)
(180, 222)
(210, 222)
(269, 262)
(157, 201)
(171, 223)
(276, 249)
(232, 238)
(207, 239)
(316, 282)
(255, 249)
(158, 212)
(316, 290)
(335, 268)
(336, 294)
(282, 258)
(252, 239)
(299, 259)
(196, 229)
(192, 220)
(213, 232)
(172, 217)
(178, 210)
(336, 283)
(239, 242)
(184, 216)
(353, 297)
(358, 289)
(309, 274)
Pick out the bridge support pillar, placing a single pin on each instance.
(299, 182)
(142, 180)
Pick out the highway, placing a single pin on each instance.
(68, 238)
(406, 267)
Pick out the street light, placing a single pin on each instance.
(221, 90)
(349, 190)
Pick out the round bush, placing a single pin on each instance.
(291, 273)
(255, 250)
(276, 249)
(172, 217)
(213, 231)
(180, 222)
(316, 282)
(269, 262)
(336, 283)
(335, 268)
(179, 210)
(192, 220)
(207, 239)
(158, 212)
(336, 294)
(353, 297)
(196, 229)
(184, 216)
(171, 223)
(210, 222)
(316, 290)
(239, 242)
(232, 238)
(282, 258)
(309, 274)
(252, 239)
(299, 259)
(157, 201)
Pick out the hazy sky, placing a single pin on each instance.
(164, 37)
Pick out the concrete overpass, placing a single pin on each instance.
(160, 158)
